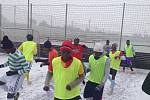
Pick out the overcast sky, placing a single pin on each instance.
(72, 1)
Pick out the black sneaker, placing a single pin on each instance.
(16, 96)
(2, 83)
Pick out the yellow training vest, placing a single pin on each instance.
(128, 50)
(115, 63)
(29, 49)
(97, 69)
(63, 76)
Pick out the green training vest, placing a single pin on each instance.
(63, 76)
(97, 69)
(128, 50)
(114, 63)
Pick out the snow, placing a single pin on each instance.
(128, 85)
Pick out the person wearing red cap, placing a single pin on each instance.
(78, 49)
(78, 52)
(67, 72)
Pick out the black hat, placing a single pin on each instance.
(7, 44)
(29, 37)
(77, 39)
(47, 44)
(5, 38)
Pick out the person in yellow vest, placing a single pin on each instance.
(67, 72)
(130, 54)
(115, 60)
(29, 49)
(99, 66)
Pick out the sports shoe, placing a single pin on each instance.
(16, 96)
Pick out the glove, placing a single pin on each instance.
(1, 66)
(10, 73)
(68, 87)
(88, 70)
(36, 60)
(134, 56)
(41, 65)
(99, 87)
(44, 64)
(46, 88)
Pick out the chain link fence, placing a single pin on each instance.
(90, 23)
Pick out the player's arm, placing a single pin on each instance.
(49, 76)
(107, 70)
(35, 49)
(21, 47)
(133, 50)
(77, 81)
(4, 65)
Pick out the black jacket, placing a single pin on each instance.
(146, 84)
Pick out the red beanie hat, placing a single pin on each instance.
(66, 45)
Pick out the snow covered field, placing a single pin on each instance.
(128, 85)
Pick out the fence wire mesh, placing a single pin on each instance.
(88, 22)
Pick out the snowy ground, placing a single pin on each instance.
(128, 85)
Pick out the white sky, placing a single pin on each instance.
(72, 1)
